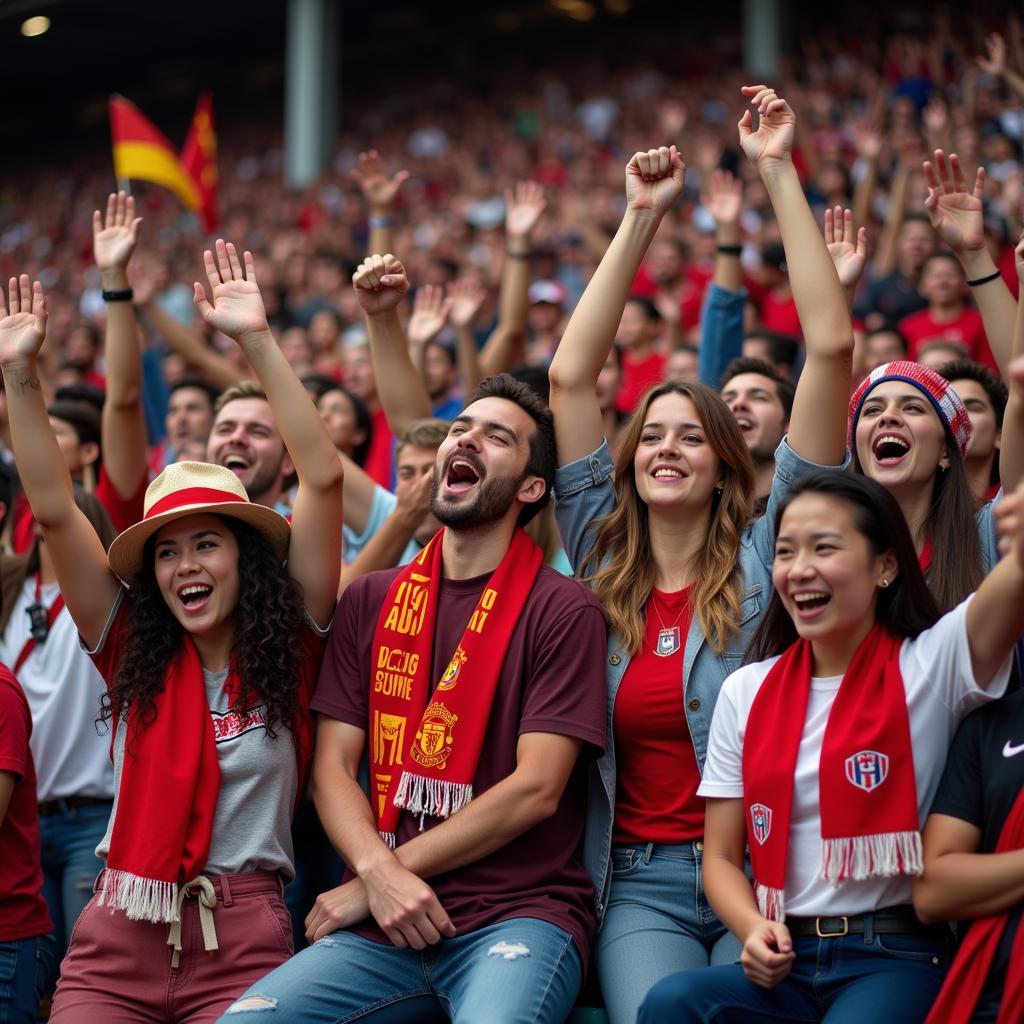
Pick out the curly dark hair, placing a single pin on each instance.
(266, 652)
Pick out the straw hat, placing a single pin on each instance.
(193, 488)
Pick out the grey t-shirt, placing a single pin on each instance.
(258, 779)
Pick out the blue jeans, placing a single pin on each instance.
(519, 971)
(880, 979)
(657, 922)
(25, 966)
(68, 841)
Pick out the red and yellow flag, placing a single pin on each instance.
(142, 151)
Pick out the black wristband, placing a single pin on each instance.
(517, 255)
(730, 250)
(121, 295)
(986, 279)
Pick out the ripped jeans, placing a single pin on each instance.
(519, 971)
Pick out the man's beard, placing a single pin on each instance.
(493, 499)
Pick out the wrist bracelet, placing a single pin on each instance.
(730, 250)
(986, 279)
(517, 255)
(381, 222)
(119, 295)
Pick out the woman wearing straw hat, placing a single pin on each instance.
(209, 656)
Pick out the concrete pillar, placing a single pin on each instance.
(763, 35)
(311, 88)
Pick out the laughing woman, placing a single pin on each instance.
(668, 548)
(825, 755)
(209, 660)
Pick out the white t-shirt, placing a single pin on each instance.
(941, 690)
(63, 689)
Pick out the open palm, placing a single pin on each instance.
(955, 213)
(237, 309)
(114, 237)
(22, 321)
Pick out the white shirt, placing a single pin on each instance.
(941, 690)
(63, 689)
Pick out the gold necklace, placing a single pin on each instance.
(669, 637)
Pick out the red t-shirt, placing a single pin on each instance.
(780, 315)
(552, 680)
(967, 330)
(123, 512)
(381, 452)
(23, 912)
(637, 376)
(655, 764)
(695, 282)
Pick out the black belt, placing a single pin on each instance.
(65, 803)
(887, 921)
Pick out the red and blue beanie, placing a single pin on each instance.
(946, 402)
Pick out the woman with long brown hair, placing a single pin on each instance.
(669, 549)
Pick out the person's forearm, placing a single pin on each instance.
(728, 269)
(721, 332)
(995, 303)
(513, 296)
(220, 371)
(468, 358)
(382, 550)
(591, 331)
(863, 191)
(1015, 82)
(402, 393)
(818, 295)
(960, 886)
(885, 254)
(1011, 446)
(995, 619)
(314, 456)
(730, 895)
(41, 466)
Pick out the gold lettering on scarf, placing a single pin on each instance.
(388, 738)
(479, 619)
(382, 783)
(409, 610)
(433, 745)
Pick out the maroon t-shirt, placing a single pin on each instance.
(552, 680)
(23, 913)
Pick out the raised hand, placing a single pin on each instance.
(466, 297)
(776, 129)
(995, 62)
(430, 311)
(380, 283)
(935, 116)
(378, 189)
(22, 320)
(114, 236)
(237, 308)
(867, 139)
(523, 208)
(723, 197)
(955, 213)
(654, 180)
(848, 248)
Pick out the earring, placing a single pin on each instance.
(885, 583)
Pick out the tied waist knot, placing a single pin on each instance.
(207, 896)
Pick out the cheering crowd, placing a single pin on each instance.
(500, 579)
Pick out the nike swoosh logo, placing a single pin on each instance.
(1011, 751)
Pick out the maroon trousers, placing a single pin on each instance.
(121, 972)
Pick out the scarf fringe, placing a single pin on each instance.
(436, 797)
(771, 902)
(141, 899)
(390, 839)
(874, 856)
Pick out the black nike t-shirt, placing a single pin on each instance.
(983, 777)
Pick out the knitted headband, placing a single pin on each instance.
(946, 402)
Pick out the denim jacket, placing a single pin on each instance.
(583, 493)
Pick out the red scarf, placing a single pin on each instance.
(170, 780)
(438, 743)
(866, 787)
(959, 995)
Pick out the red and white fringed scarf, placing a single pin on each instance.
(867, 790)
(426, 745)
(170, 780)
(966, 978)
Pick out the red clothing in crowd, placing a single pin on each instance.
(694, 284)
(967, 330)
(780, 315)
(637, 376)
(381, 452)
(657, 775)
(23, 913)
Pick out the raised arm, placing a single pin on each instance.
(314, 554)
(380, 192)
(123, 425)
(869, 144)
(467, 297)
(956, 214)
(723, 199)
(820, 302)
(381, 283)
(88, 586)
(994, 62)
(429, 315)
(1011, 447)
(507, 344)
(848, 249)
(654, 180)
(995, 616)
